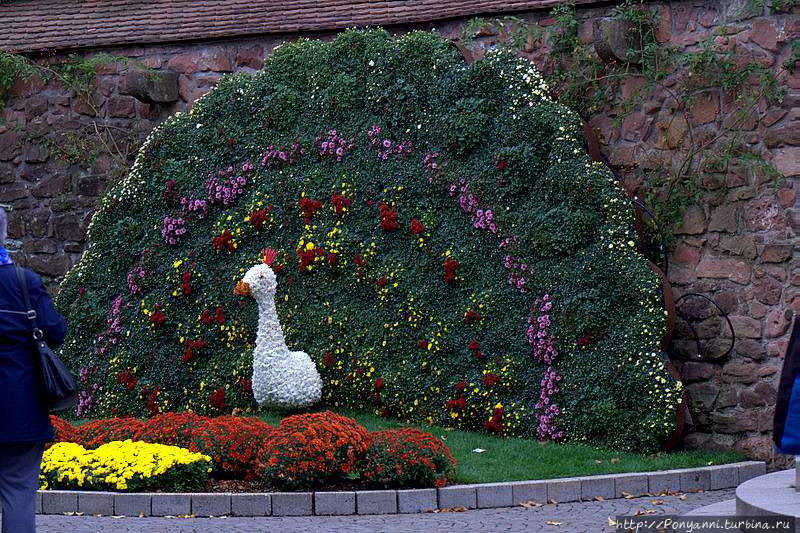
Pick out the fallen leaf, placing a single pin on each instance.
(682, 497)
(637, 513)
(658, 502)
(530, 504)
(598, 462)
(442, 437)
(599, 499)
(626, 495)
(551, 523)
(614, 460)
(611, 522)
(478, 450)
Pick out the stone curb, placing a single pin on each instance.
(475, 496)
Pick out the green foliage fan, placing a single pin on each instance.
(446, 251)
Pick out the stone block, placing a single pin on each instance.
(330, 503)
(617, 39)
(151, 87)
(631, 484)
(376, 501)
(171, 504)
(133, 504)
(416, 500)
(292, 504)
(96, 503)
(563, 490)
(751, 469)
(184, 63)
(597, 487)
(59, 501)
(38, 502)
(693, 479)
(494, 495)
(251, 505)
(252, 56)
(458, 496)
(211, 504)
(694, 221)
(529, 491)
(662, 482)
(723, 476)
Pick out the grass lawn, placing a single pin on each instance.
(522, 459)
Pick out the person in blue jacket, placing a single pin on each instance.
(24, 418)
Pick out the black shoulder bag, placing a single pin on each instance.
(59, 386)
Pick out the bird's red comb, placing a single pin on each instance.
(268, 256)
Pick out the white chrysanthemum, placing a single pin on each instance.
(281, 378)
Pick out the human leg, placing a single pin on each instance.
(19, 478)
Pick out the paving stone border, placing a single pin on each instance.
(475, 496)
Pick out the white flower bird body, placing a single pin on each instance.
(281, 378)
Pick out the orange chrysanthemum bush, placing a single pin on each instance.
(102, 430)
(312, 450)
(406, 458)
(175, 429)
(62, 430)
(233, 444)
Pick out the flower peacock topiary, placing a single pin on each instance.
(446, 251)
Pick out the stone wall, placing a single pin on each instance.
(738, 245)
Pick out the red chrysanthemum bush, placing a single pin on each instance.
(233, 444)
(312, 450)
(406, 458)
(96, 432)
(175, 429)
(62, 430)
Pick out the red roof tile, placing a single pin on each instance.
(40, 25)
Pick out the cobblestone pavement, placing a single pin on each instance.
(578, 517)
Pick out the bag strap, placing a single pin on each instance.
(38, 334)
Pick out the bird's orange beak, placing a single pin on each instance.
(242, 289)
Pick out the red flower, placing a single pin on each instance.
(416, 226)
(258, 218)
(378, 384)
(217, 399)
(358, 260)
(328, 359)
(223, 241)
(461, 386)
(471, 317)
(450, 269)
(192, 347)
(186, 288)
(473, 345)
(332, 259)
(423, 343)
(158, 317)
(309, 207)
(340, 202)
(220, 316)
(382, 281)
(206, 317)
(388, 217)
(490, 379)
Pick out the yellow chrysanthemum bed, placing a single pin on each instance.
(122, 466)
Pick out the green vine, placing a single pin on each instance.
(675, 172)
(78, 75)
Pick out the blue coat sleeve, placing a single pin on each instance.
(48, 319)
